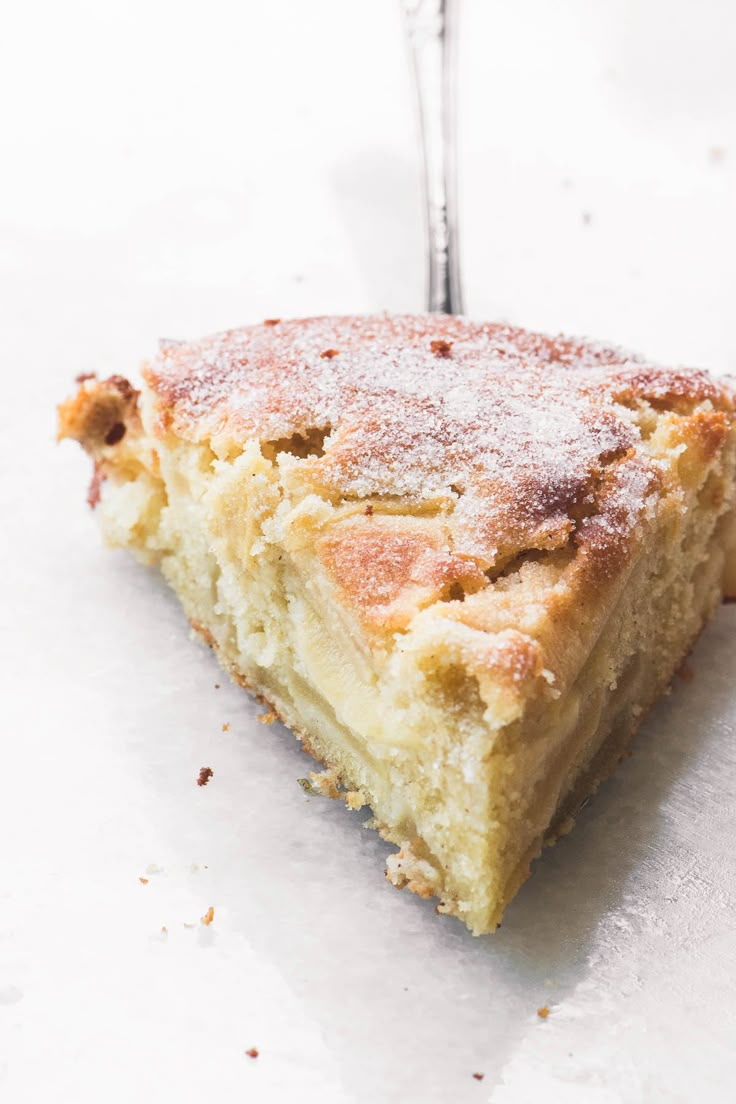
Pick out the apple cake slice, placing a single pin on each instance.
(459, 560)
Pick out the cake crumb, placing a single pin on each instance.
(267, 718)
(325, 783)
(164, 930)
(208, 917)
(84, 376)
(143, 881)
(441, 348)
(271, 321)
(328, 354)
(307, 786)
(226, 726)
(217, 686)
(543, 1013)
(252, 1052)
(204, 776)
(94, 493)
(478, 1076)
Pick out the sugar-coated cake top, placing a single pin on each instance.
(521, 432)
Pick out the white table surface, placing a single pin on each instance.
(170, 169)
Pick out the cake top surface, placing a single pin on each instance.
(478, 474)
(449, 385)
(517, 431)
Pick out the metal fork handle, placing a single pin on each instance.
(431, 27)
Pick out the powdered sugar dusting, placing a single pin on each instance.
(513, 428)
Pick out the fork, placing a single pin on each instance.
(431, 27)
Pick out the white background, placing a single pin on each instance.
(173, 169)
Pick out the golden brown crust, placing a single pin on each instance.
(100, 413)
(509, 432)
(202, 631)
(103, 416)
(388, 567)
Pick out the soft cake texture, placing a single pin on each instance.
(460, 561)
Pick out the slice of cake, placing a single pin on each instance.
(460, 561)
